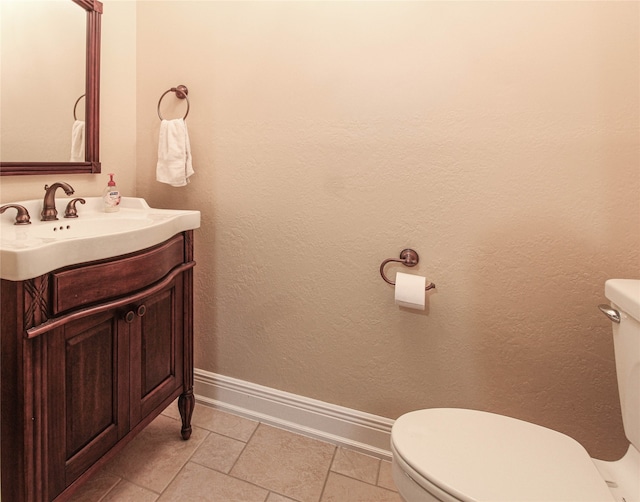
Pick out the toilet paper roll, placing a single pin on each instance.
(410, 290)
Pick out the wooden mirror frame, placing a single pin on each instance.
(91, 165)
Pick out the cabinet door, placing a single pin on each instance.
(157, 350)
(87, 363)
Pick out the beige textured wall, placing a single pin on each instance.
(117, 112)
(498, 139)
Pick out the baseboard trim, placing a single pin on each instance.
(364, 432)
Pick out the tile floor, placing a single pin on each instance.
(230, 458)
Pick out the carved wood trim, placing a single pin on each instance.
(36, 301)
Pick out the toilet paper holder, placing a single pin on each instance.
(409, 258)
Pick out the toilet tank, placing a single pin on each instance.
(624, 295)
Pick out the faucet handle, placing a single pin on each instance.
(71, 211)
(22, 218)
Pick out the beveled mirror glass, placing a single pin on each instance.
(67, 64)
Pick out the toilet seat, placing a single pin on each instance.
(473, 456)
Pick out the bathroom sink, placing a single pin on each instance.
(27, 251)
(86, 227)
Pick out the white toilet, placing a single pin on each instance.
(447, 454)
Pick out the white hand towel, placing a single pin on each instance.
(77, 141)
(174, 153)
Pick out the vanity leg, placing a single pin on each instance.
(186, 403)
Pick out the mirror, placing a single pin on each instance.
(69, 94)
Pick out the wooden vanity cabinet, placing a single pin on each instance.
(90, 355)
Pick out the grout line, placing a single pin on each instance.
(173, 479)
(246, 443)
(326, 478)
(187, 460)
(110, 489)
(378, 473)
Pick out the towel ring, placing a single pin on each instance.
(409, 258)
(181, 93)
(75, 106)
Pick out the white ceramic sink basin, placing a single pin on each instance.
(27, 251)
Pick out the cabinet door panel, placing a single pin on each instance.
(157, 351)
(87, 360)
(90, 367)
(157, 337)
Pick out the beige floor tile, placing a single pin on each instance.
(356, 465)
(274, 466)
(218, 452)
(385, 478)
(156, 455)
(96, 487)
(196, 483)
(341, 488)
(223, 423)
(287, 463)
(274, 497)
(172, 411)
(128, 492)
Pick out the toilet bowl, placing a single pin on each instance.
(451, 454)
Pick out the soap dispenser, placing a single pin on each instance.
(111, 196)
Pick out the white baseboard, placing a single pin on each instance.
(367, 433)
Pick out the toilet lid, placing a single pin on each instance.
(476, 456)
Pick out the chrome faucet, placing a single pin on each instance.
(49, 211)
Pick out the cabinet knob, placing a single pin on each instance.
(142, 310)
(129, 317)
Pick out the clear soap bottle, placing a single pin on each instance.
(111, 196)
